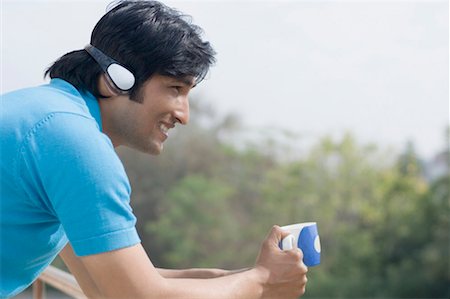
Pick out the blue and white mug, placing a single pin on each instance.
(306, 237)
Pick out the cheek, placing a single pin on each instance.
(138, 121)
(147, 121)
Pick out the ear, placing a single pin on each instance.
(105, 87)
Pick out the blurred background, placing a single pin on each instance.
(329, 111)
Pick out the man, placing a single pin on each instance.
(63, 189)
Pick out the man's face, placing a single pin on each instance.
(144, 126)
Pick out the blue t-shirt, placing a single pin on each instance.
(61, 181)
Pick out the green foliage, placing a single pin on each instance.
(191, 243)
(205, 203)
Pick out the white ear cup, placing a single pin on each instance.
(120, 76)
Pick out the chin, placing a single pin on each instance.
(156, 151)
(153, 149)
(150, 148)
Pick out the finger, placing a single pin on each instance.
(284, 233)
(303, 280)
(293, 256)
(302, 291)
(304, 268)
(276, 234)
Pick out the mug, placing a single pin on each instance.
(306, 237)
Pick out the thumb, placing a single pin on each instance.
(276, 234)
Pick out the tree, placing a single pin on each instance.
(384, 230)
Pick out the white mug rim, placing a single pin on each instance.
(298, 225)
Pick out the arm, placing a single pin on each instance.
(197, 272)
(77, 268)
(129, 273)
(88, 286)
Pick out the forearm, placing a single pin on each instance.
(197, 272)
(129, 273)
(245, 285)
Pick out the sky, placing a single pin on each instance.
(378, 69)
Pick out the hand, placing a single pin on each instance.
(282, 273)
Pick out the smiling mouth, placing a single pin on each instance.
(164, 129)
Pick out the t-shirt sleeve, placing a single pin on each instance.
(80, 180)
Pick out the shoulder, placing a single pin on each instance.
(67, 134)
(43, 99)
(26, 110)
(68, 155)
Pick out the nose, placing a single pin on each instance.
(182, 112)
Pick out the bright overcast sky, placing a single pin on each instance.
(379, 69)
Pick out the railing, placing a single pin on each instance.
(58, 279)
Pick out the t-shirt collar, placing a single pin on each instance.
(90, 100)
(93, 106)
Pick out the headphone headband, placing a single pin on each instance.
(122, 78)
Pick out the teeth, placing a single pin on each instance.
(164, 129)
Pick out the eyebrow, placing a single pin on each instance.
(186, 81)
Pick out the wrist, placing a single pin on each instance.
(262, 274)
(231, 272)
(258, 277)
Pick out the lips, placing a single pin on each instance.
(165, 127)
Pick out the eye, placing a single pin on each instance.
(176, 89)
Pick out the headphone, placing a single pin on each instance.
(117, 75)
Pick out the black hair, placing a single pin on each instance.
(146, 37)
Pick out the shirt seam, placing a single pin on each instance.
(19, 156)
